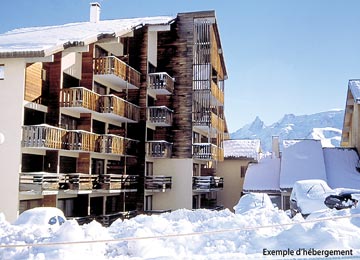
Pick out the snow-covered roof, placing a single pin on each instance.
(263, 176)
(340, 166)
(44, 41)
(354, 87)
(242, 149)
(301, 160)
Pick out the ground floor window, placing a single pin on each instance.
(148, 202)
(285, 202)
(2, 71)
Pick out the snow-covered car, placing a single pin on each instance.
(308, 196)
(252, 200)
(343, 199)
(42, 216)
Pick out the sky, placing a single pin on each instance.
(282, 56)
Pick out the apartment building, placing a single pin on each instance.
(109, 116)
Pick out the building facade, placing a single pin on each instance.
(237, 157)
(112, 116)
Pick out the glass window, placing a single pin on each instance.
(61, 220)
(52, 221)
(2, 71)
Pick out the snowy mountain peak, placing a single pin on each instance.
(256, 125)
(324, 126)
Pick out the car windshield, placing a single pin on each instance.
(316, 191)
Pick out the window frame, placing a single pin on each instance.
(2, 71)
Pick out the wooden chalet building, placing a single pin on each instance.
(103, 117)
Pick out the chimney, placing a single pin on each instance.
(275, 147)
(94, 12)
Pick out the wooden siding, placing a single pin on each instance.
(84, 163)
(87, 68)
(84, 123)
(33, 81)
(138, 60)
(54, 83)
(175, 52)
(215, 57)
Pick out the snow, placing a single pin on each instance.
(263, 176)
(187, 234)
(329, 136)
(253, 201)
(40, 216)
(340, 166)
(51, 38)
(242, 149)
(310, 195)
(354, 87)
(301, 160)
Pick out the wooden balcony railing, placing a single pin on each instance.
(112, 144)
(118, 106)
(43, 136)
(161, 83)
(113, 66)
(131, 182)
(208, 183)
(79, 140)
(118, 182)
(158, 149)
(49, 137)
(111, 181)
(39, 181)
(79, 97)
(205, 151)
(217, 122)
(217, 92)
(209, 119)
(77, 181)
(160, 115)
(158, 183)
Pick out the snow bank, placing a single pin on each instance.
(210, 235)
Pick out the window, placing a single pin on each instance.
(243, 171)
(2, 71)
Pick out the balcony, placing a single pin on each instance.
(161, 83)
(207, 183)
(217, 94)
(112, 144)
(158, 183)
(159, 116)
(158, 149)
(39, 183)
(77, 182)
(79, 99)
(118, 182)
(79, 140)
(208, 121)
(115, 107)
(49, 137)
(205, 151)
(82, 100)
(43, 136)
(112, 72)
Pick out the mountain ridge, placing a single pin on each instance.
(325, 126)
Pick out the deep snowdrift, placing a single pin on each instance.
(203, 234)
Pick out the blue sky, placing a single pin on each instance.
(282, 56)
